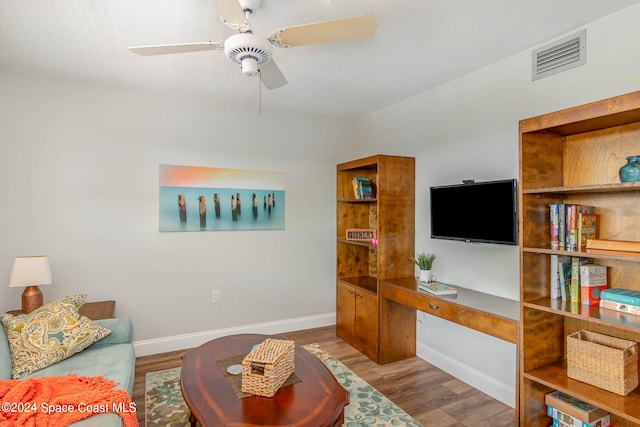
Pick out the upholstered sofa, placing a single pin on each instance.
(112, 357)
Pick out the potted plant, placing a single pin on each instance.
(424, 262)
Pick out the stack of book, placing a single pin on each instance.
(624, 300)
(437, 288)
(593, 281)
(362, 188)
(571, 226)
(574, 279)
(567, 411)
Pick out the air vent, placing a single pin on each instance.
(561, 55)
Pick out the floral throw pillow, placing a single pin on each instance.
(49, 334)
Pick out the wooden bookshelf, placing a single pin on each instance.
(573, 156)
(360, 264)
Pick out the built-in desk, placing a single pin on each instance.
(400, 298)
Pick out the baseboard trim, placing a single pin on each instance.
(505, 393)
(181, 342)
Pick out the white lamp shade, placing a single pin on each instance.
(30, 271)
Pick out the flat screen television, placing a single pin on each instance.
(484, 212)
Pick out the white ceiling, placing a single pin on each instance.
(418, 45)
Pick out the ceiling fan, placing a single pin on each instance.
(253, 52)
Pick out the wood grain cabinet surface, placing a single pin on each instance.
(573, 156)
(362, 264)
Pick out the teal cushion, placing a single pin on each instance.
(116, 362)
(100, 420)
(121, 331)
(5, 357)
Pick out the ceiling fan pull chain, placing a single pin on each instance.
(260, 92)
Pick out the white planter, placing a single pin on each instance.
(425, 276)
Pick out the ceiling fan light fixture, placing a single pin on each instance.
(249, 66)
(241, 45)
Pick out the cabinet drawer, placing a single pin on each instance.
(440, 308)
(487, 323)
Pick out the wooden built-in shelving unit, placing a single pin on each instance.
(573, 156)
(360, 264)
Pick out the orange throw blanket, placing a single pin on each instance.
(60, 401)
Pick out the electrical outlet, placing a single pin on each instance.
(215, 297)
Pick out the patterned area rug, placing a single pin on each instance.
(367, 408)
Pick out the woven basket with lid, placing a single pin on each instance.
(267, 367)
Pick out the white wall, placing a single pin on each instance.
(79, 182)
(468, 129)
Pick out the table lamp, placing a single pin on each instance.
(30, 271)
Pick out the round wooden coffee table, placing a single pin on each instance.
(316, 400)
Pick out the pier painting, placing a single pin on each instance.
(194, 198)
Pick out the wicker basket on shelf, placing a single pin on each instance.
(267, 367)
(603, 361)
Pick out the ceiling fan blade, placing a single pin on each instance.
(334, 30)
(164, 49)
(271, 76)
(231, 12)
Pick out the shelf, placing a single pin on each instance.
(585, 189)
(590, 253)
(555, 376)
(595, 314)
(607, 113)
(358, 201)
(365, 243)
(367, 283)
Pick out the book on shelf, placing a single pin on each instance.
(593, 275)
(620, 306)
(564, 275)
(625, 296)
(563, 419)
(367, 190)
(570, 226)
(593, 280)
(437, 288)
(574, 407)
(562, 226)
(613, 245)
(357, 190)
(554, 224)
(587, 228)
(604, 422)
(576, 262)
(591, 295)
(362, 188)
(555, 281)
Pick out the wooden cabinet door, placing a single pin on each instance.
(366, 323)
(345, 312)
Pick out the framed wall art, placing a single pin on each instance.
(194, 198)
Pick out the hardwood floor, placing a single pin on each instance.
(431, 396)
